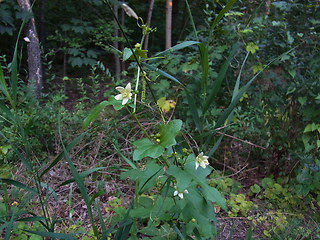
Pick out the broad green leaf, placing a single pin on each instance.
(302, 100)
(94, 113)
(304, 177)
(255, 188)
(210, 193)
(168, 132)
(214, 195)
(140, 212)
(148, 177)
(176, 47)
(146, 148)
(146, 202)
(182, 177)
(141, 53)
(308, 128)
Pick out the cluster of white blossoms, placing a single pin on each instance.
(179, 193)
(125, 94)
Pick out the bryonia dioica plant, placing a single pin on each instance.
(172, 196)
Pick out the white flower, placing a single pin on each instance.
(180, 194)
(202, 161)
(125, 94)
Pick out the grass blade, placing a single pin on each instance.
(249, 233)
(61, 155)
(78, 180)
(19, 185)
(9, 227)
(125, 158)
(204, 62)
(82, 175)
(163, 73)
(240, 93)
(192, 21)
(176, 47)
(3, 87)
(217, 83)
(53, 235)
(14, 64)
(194, 111)
(94, 113)
(31, 219)
(220, 15)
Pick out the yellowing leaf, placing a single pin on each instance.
(252, 47)
(257, 68)
(166, 105)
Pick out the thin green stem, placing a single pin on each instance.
(129, 44)
(192, 22)
(140, 125)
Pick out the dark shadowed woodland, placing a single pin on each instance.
(159, 119)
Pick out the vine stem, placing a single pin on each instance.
(133, 114)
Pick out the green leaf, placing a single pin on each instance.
(255, 188)
(217, 83)
(194, 111)
(83, 174)
(140, 212)
(141, 53)
(53, 235)
(61, 155)
(304, 177)
(163, 73)
(19, 185)
(168, 132)
(182, 177)
(3, 87)
(209, 192)
(127, 53)
(308, 128)
(214, 195)
(221, 13)
(252, 47)
(204, 62)
(176, 47)
(93, 115)
(302, 100)
(146, 148)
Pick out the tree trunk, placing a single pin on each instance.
(168, 23)
(116, 44)
(34, 53)
(146, 41)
